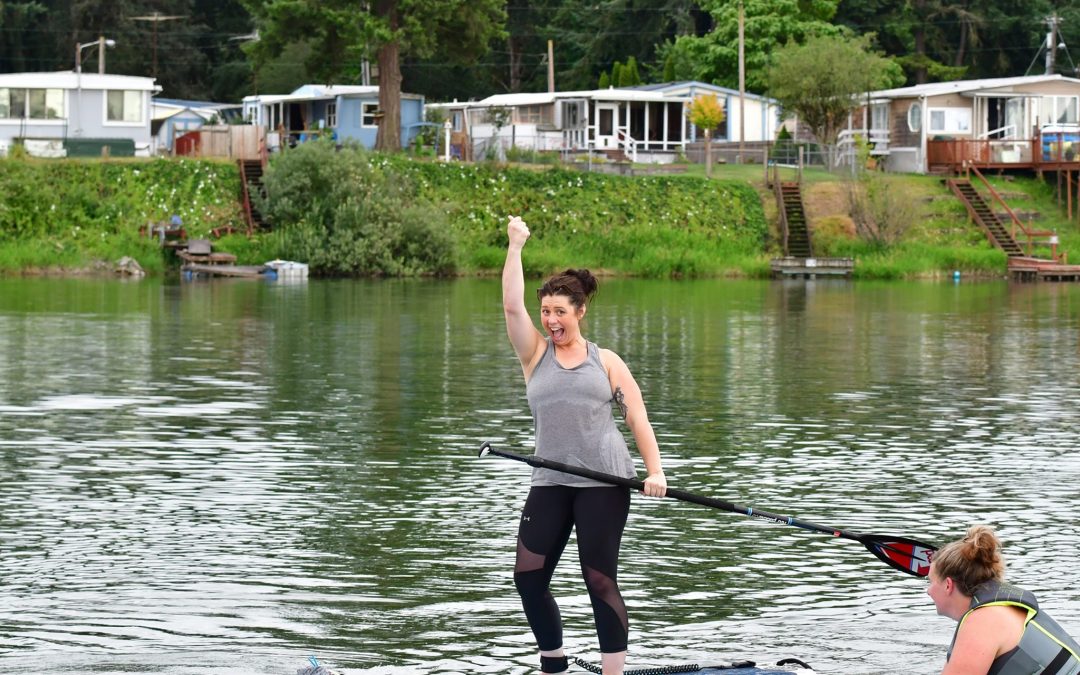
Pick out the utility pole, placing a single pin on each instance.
(551, 66)
(1051, 43)
(742, 80)
(156, 18)
(101, 54)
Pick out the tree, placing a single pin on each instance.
(616, 74)
(769, 25)
(629, 76)
(590, 36)
(706, 113)
(945, 39)
(345, 33)
(19, 21)
(823, 80)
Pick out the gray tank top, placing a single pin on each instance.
(575, 424)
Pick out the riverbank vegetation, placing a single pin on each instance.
(352, 212)
(73, 215)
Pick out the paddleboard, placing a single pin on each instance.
(783, 667)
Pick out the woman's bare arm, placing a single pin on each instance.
(527, 341)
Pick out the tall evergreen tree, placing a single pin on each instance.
(345, 33)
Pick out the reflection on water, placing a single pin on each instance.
(227, 477)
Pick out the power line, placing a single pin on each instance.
(157, 18)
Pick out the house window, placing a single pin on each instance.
(45, 104)
(573, 114)
(879, 116)
(1060, 110)
(35, 104)
(478, 117)
(950, 121)
(331, 115)
(12, 103)
(124, 106)
(914, 117)
(369, 114)
(534, 114)
(456, 119)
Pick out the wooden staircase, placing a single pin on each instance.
(793, 220)
(984, 216)
(251, 178)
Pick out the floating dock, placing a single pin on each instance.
(1039, 269)
(811, 268)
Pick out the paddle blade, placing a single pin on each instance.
(907, 555)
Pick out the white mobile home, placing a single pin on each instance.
(761, 114)
(57, 113)
(646, 123)
(1010, 122)
(642, 125)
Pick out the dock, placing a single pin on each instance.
(811, 268)
(191, 270)
(1038, 269)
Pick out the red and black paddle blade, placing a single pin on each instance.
(907, 555)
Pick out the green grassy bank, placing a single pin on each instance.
(352, 212)
(72, 214)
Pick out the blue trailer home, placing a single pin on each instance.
(340, 111)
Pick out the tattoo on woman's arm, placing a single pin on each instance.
(619, 401)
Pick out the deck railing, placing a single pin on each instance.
(1051, 147)
(956, 152)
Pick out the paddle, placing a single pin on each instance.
(907, 555)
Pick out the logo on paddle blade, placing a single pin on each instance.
(908, 556)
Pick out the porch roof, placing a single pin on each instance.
(319, 92)
(695, 85)
(548, 97)
(967, 87)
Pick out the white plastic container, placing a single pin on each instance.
(286, 270)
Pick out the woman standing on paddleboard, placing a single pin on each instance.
(573, 387)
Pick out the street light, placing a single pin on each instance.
(102, 43)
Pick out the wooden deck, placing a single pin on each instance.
(1053, 151)
(1040, 269)
(811, 268)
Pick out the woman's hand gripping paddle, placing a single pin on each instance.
(901, 553)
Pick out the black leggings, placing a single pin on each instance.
(550, 513)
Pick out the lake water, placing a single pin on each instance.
(225, 477)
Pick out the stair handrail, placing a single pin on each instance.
(1004, 137)
(779, 193)
(1029, 234)
(248, 215)
(627, 141)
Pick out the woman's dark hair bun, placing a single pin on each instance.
(579, 285)
(589, 283)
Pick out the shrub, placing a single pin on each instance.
(350, 213)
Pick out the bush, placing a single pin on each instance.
(350, 213)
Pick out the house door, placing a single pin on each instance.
(607, 116)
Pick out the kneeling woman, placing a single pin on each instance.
(1001, 628)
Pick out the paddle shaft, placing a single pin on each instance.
(682, 495)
